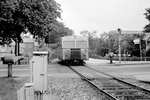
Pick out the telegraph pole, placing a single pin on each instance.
(119, 30)
(140, 48)
(138, 41)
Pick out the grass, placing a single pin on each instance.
(9, 87)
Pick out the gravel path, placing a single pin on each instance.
(71, 89)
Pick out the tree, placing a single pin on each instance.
(147, 14)
(103, 47)
(147, 28)
(58, 31)
(37, 16)
(102, 51)
(109, 42)
(93, 41)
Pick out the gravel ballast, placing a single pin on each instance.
(71, 89)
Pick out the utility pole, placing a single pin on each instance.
(140, 44)
(119, 30)
(138, 41)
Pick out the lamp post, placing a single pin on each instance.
(119, 30)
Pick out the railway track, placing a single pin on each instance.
(114, 88)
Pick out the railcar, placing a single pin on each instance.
(73, 49)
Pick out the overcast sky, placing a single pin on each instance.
(104, 15)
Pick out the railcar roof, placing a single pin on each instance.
(74, 38)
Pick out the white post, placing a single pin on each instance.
(29, 91)
(31, 70)
(26, 92)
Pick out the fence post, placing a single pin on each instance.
(20, 94)
(29, 91)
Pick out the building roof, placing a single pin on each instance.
(73, 38)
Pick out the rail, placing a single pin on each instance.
(143, 89)
(115, 88)
(122, 81)
(93, 85)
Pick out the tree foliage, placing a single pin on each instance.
(109, 42)
(93, 40)
(58, 31)
(147, 14)
(39, 17)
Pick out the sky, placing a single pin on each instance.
(104, 15)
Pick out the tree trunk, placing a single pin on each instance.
(9, 70)
(18, 44)
(17, 49)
